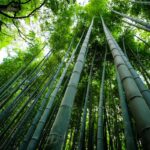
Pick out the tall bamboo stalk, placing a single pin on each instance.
(83, 122)
(137, 26)
(139, 64)
(142, 40)
(100, 132)
(143, 89)
(141, 22)
(141, 2)
(53, 113)
(129, 136)
(59, 129)
(124, 47)
(136, 102)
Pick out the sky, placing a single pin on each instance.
(82, 2)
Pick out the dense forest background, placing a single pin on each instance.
(74, 75)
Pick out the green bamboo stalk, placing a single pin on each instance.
(124, 47)
(59, 129)
(147, 44)
(139, 63)
(100, 132)
(136, 102)
(137, 26)
(143, 89)
(83, 122)
(141, 22)
(141, 2)
(129, 136)
(53, 113)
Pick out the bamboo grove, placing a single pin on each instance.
(81, 82)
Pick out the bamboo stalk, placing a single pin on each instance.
(129, 136)
(141, 22)
(100, 132)
(83, 122)
(136, 102)
(61, 123)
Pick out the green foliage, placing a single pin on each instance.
(11, 65)
(61, 37)
(5, 39)
(96, 7)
